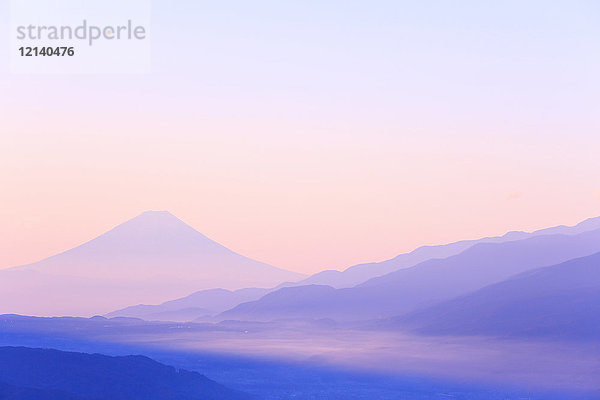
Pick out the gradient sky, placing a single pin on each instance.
(314, 134)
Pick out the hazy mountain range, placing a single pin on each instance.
(210, 302)
(202, 303)
(155, 258)
(560, 301)
(409, 289)
(360, 273)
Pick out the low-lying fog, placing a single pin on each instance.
(525, 363)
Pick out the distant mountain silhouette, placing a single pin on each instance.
(203, 304)
(50, 373)
(194, 306)
(360, 273)
(148, 259)
(561, 301)
(407, 290)
(291, 302)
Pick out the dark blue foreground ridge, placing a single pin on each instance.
(43, 374)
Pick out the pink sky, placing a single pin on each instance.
(308, 155)
(289, 192)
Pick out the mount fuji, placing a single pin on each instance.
(150, 258)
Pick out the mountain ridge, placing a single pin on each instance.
(102, 377)
(206, 304)
(429, 282)
(560, 301)
(359, 273)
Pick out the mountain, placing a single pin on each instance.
(360, 273)
(51, 373)
(194, 306)
(409, 289)
(210, 302)
(561, 301)
(290, 302)
(148, 259)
